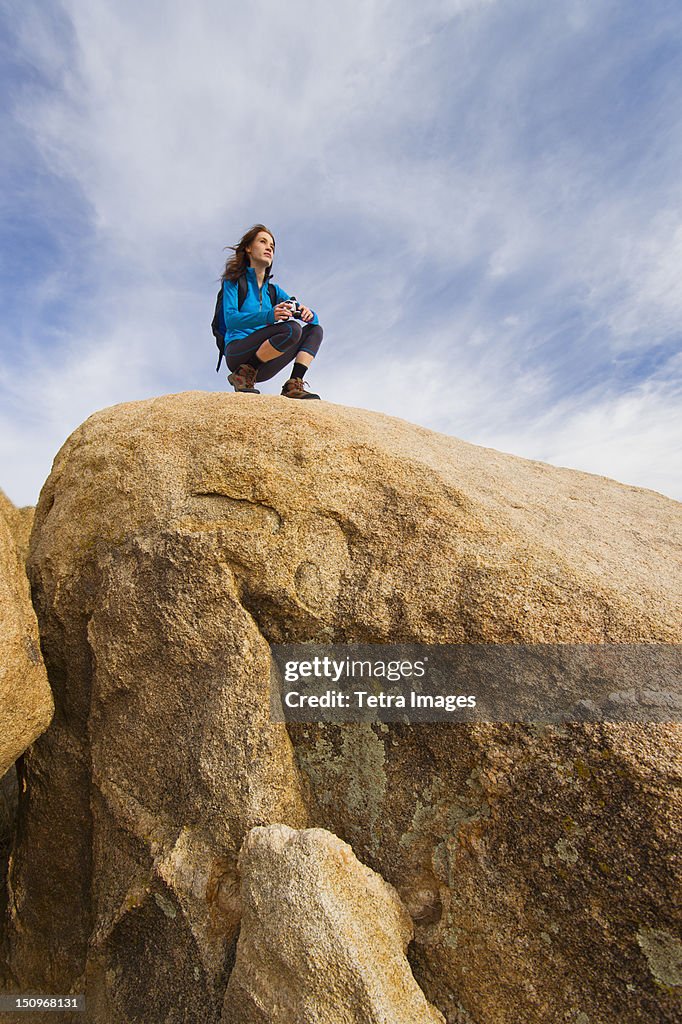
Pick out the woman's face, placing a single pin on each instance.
(262, 249)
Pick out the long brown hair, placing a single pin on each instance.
(237, 264)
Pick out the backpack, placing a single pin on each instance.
(218, 323)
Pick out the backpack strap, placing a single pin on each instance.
(242, 289)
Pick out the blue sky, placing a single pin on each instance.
(480, 198)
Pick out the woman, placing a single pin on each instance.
(262, 337)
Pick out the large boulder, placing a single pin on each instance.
(25, 698)
(175, 540)
(322, 938)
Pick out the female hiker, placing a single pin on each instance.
(262, 335)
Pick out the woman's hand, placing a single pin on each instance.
(306, 314)
(282, 311)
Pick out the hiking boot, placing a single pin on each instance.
(244, 378)
(296, 388)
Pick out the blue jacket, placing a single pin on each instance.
(256, 311)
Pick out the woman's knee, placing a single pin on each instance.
(287, 336)
(312, 332)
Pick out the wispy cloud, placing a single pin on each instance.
(481, 199)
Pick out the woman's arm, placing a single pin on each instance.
(283, 297)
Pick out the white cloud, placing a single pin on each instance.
(384, 143)
(632, 437)
(638, 295)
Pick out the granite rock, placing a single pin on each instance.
(175, 540)
(26, 705)
(322, 938)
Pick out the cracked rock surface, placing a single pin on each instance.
(176, 539)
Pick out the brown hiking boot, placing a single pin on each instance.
(296, 388)
(244, 378)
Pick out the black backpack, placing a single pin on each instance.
(218, 323)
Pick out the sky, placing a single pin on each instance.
(481, 199)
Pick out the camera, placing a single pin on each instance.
(295, 307)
